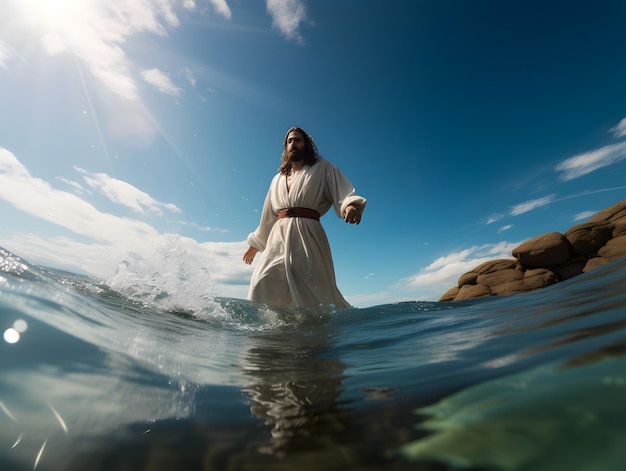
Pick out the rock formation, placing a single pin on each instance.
(549, 258)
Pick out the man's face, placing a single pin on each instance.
(295, 146)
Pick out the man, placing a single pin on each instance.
(296, 267)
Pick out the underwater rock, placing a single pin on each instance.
(548, 258)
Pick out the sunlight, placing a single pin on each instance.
(54, 20)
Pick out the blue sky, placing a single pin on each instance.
(148, 131)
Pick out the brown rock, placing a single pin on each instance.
(614, 249)
(565, 272)
(510, 287)
(549, 258)
(491, 266)
(548, 250)
(612, 213)
(539, 278)
(495, 265)
(500, 277)
(450, 294)
(619, 227)
(468, 278)
(587, 238)
(472, 291)
(594, 263)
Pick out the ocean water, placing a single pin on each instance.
(150, 371)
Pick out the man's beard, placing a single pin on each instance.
(296, 156)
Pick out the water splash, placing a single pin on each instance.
(171, 276)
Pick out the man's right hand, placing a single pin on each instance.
(248, 257)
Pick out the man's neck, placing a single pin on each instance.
(296, 166)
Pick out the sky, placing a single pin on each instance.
(143, 134)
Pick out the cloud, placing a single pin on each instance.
(96, 31)
(287, 15)
(588, 162)
(494, 218)
(124, 193)
(530, 205)
(220, 6)
(505, 228)
(104, 239)
(445, 271)
(6, 54)
(619, 130)
(159, 80)
(38, 198)
(584, 215)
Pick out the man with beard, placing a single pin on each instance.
(296, 267)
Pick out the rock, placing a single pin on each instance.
(468, 278)
(549, 258)
(539, 278)
(587, 238)
(501, 277)
(450, 295)
(619, 227)
(565, 272)
(594, 263)
(614, 248)
(612, 213)
(548, 250)
(472, 291)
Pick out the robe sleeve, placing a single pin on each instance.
(258, 238)
(342, 193)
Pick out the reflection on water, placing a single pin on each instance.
(295, 390)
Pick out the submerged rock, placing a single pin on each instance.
(549, 258)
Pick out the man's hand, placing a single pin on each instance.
(248, 257)
(352, 215)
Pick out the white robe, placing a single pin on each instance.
(296, 266)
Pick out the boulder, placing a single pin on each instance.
(614, 248)
(548, 250)
(587, 238)
(594, 263)
(472, 291)
(549, 258)
(450, 295)
(612, 213)
(570, 270)
(539, 278)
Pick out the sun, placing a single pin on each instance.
(55, 22)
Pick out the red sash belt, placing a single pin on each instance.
(298, 213)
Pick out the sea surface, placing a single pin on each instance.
(134, 373)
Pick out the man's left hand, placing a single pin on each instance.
(352, 215)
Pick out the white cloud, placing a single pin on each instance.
(584, 215)
(619, 130)
(124, 193)
(530, 205)
(443, 273)
(588, 162)
(38, 198)
(494, 218)
(160, 80)
(104, 240)
(6, 54)
(287, 15)
(190, 76)
(220, 6)
(505, 228)
(77, 186)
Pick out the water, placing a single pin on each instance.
(150, 371)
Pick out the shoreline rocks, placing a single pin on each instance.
(548, 258)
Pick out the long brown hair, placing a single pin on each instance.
(310, 151)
